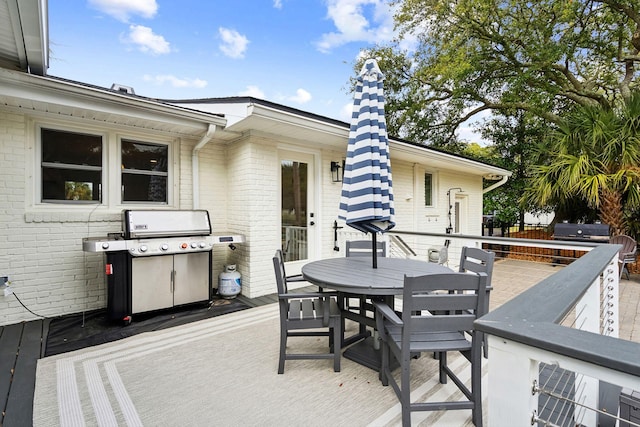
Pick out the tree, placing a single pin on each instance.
(514, 138)
(541, 56)
(595, 155)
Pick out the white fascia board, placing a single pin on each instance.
(297, 120)
(444, 161)
(47, 90)
(234, 112)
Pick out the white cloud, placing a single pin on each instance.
(147, 41)
(277, 4)
(233, 43)
(123, 9)
(301, 97)
(253, 91)
(175, 81)
(357, 21)
(346, 112)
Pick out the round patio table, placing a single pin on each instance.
(356, 276)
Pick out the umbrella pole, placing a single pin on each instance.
(374, 236)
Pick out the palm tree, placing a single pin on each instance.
(594, 156)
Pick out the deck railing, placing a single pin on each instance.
(555, 358)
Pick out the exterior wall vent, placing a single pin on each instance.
(123, 89)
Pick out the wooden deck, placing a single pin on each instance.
(22, 344)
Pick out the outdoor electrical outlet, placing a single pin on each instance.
(4, 286)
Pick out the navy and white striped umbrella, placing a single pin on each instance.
(366, 203)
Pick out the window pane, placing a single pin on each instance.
(71, 166)
(144, 157)
(71, 148)
(294, 209)
(428, 190)
(144, 188)
(70, 184)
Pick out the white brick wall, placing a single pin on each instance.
(41, 250)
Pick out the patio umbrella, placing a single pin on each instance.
(366, 203)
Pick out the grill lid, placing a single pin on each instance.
(571, 231)
(159, 223)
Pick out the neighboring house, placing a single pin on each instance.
(226, 155)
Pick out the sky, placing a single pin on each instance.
(299, 53)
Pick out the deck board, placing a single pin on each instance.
(19, 410)
(21, 346)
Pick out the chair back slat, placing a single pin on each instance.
(456, 297)
(477, 260)
(444, 323)
(445, 302)
(361, 248)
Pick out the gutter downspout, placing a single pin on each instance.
(195, 164)
(500, 183)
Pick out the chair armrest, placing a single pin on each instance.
(383, 311)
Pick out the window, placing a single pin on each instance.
(71, 166)
(74, 166)
(144, 172)
(428, 189)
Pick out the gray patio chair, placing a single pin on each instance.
(458, 298)
(479, 261)
(306, 315)
(363, 248)
(628, 254)
(358, 303)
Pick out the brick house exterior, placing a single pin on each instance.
(224, 155)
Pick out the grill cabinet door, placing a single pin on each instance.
(152, 287)
(191, 277)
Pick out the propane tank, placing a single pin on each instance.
(230, 282)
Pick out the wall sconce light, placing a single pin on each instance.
(337, 171)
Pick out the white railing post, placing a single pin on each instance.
(510, 384)
(588, 319)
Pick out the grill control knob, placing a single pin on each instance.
(184, 246)
(202, 245)
(143, 248)
(105, 245)
(194, 245)
(164, 247)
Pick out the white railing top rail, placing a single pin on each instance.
(587, 245)
(532, 318)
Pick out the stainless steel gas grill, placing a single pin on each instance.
(160, 259)
(598, 233)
